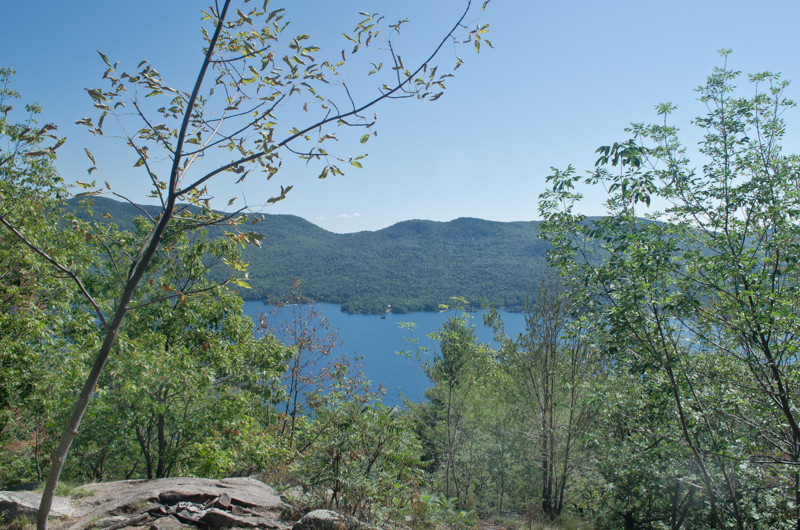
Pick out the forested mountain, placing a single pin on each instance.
(412, 265)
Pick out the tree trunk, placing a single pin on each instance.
(162, 447)
(144, 444)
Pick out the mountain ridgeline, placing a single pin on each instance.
(410, 266)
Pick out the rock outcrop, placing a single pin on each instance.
(170, 504)
(24, 503)
(163, 504)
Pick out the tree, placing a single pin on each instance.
(699, 303)
(357, 454)
(551, 368)
(447, 420)
(237, 113)
(308, 335)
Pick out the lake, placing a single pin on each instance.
(378, 340)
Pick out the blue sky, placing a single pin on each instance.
(563, 78)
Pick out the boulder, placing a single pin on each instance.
(326, 520)
(105, 522)
(165, 523)
(25, 503)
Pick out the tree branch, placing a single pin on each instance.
(169, 297)
(332, 118)
(60, 267)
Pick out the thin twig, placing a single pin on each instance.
(168, 297)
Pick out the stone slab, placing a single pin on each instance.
(25, 503)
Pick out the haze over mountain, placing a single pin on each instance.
(410, 266)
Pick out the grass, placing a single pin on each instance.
(565, 523)
(19, 523)
(519, 522)
(66, 489)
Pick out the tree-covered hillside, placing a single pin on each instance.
(413, 265)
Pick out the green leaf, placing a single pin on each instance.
(39, 152)
(86, 193)
(364, 138)
(105, 59)
(96, 94)
(356, 163)
(240, 283)
(254, 238)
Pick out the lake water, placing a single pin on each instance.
(378, 340)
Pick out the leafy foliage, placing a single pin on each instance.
(40, 310)
(695, 307)
(551, 369)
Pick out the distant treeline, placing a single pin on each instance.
(410, 266)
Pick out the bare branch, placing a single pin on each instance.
(134, 205)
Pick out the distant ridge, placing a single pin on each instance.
(412, 265)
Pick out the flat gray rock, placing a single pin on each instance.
(25, 503)
(243, 491)
(108, 521)
(217, 519)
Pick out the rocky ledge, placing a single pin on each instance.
(166, 504)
